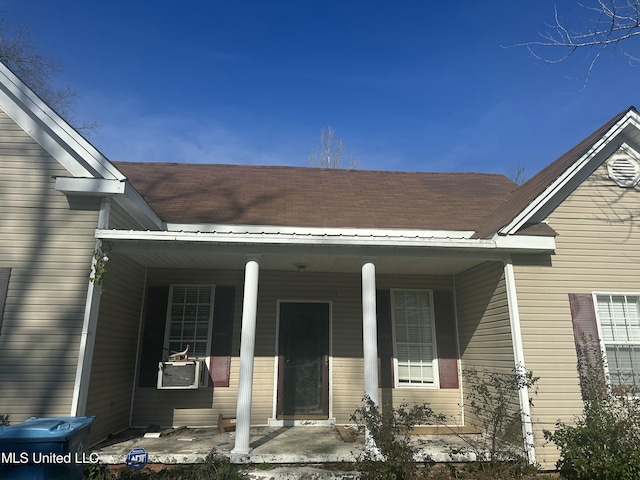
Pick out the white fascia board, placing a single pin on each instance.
(89, 186)
(548, 194)
(529, 244)
(51, 131)
(525, 242)
(123, 193)
(356, 232)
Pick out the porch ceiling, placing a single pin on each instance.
(310, 259)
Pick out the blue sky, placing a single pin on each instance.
(408, 85)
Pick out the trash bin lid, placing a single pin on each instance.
(45, 429)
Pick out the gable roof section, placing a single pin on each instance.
(312, 197)
(91, 172)
(520, 206)
(51, 131)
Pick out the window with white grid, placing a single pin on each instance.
(414, 337)
(619, 322)
(189, 321)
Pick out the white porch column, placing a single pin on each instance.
(518, 354)
(369, 329)
(247, 347)
(89, 327)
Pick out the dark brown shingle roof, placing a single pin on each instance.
(297, 196)
(523, 196)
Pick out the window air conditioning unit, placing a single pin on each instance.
(179, 375)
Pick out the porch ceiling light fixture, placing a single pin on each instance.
(301, 266)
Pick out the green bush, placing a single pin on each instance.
(389, 455)
(604, 441)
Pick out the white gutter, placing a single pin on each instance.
(335, 237)
(562, 180)
(89, 325)
(281, 229)
(518, 354)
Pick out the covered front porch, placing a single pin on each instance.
(468, 289)
(269, 445)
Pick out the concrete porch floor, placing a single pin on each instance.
(272, 445)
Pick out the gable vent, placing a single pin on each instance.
(624, 170)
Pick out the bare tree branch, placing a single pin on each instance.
(609, 25)
(20, 55)
(329, 154)
(516, 175)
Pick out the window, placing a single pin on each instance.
(619, 323)
(414, 337)
(189, 320)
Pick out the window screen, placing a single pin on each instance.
(190, 318)
(414, 336)
(619, 320)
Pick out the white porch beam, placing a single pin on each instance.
(369, 329)
(518, 354)
(247, 352)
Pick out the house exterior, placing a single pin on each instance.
(296, 291)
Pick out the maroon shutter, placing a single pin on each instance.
(153, 335)
(446, 339)
(585, 329)
(583, 317)
(385, 339)
(220, 360)
(4, 288)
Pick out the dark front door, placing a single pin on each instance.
(303, 353)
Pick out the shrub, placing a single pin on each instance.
(603, 442)
(213, 468)
(390, 456)
(4, 420)
(493, 407)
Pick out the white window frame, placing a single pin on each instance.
(603, 343)
(167, 328)
(436, 377)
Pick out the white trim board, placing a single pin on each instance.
(51, 131)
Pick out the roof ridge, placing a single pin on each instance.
(311, 169)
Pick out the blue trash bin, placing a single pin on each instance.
(48, 448)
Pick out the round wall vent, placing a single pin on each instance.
(624, 170)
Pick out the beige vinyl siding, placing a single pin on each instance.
(598, 247)
(484, 326)
(202, 407)
(49, 280)
(483, 318)
(114, 356)
(121, 220)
